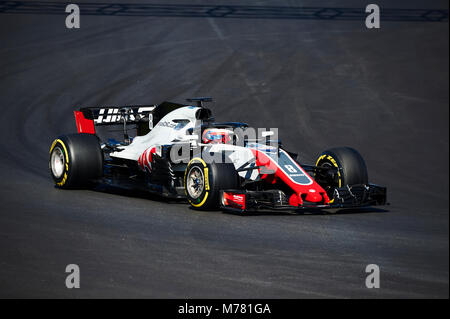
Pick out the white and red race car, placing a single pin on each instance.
(179, 151)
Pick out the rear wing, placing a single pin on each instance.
(87, 118)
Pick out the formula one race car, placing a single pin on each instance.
(179, 151)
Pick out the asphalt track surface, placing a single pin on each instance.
(323, 82)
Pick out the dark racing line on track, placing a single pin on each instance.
(225, 11)
(323, 83)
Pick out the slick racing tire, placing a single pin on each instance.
(75, 160)
(351, 169)
(203, 182)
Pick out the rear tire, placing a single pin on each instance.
(75, 160)
(203, 182)
(351, 168)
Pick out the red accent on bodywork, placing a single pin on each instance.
(317, 194)
(295, 200)
(234, 200)
(83, 124)
(313, 197)
(145, 160)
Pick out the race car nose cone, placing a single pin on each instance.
(313, 196)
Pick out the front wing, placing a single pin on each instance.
(344, 197)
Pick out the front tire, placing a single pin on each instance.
(203, 182)
(350, 168)
(75, 160)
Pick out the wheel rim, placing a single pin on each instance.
(57, 162)
(195, 182)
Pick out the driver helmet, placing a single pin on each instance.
(217, 136)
